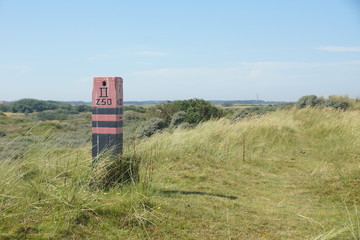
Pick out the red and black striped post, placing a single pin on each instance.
(107, 115)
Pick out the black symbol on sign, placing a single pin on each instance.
(104, 92)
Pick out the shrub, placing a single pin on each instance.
(336, 102)
(83, 108)
(150, 127)
(2, 133)
(309, 101)
(196, 110)
(3, 108)
(177, 119)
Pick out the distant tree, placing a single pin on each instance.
(83, 108)
(3, 108)
(34, 105)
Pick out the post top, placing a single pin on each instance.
(107, 78)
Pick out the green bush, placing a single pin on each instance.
(83, 108)
(150, 127)
(336, 104)
(334, 101)
(3, 108)
(196, 110)
(2, 133)
(309, 101)
(177, 119)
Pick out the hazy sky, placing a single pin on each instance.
(167, 50)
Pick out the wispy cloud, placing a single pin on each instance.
(152, 53)
(274, 80)
(339, 49)
(244, 70)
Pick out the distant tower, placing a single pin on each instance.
(257, 96)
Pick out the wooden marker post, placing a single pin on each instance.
(107, 115)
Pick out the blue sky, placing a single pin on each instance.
(168, 50)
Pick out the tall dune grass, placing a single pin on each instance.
(308, 158)
(291, 174)
(327, 134)
(53, 192)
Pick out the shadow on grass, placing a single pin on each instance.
(172, 192)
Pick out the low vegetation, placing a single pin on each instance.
(34, 105)
(249, 112)
(337, 102)
(169, 115)
(194, 111)
(287, 174)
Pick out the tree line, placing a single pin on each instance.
(33, 105)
